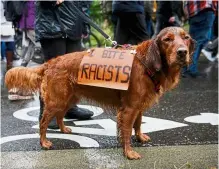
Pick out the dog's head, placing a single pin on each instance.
(173, 46)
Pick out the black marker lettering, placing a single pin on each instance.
(100, 66)
(84, 68)
(126, 73)
(104, 71)
(111, 73)
(117, 72)
(93, 71)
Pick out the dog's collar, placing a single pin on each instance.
(153, 79)
(152, 76)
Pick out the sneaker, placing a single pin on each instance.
(208, 55)
(15, 94)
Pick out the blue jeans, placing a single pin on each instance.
(149, 25)
(200, 29)
(2, 50)
(6, 46)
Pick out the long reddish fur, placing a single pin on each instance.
(56, 80)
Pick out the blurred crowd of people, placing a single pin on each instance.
(59, 30)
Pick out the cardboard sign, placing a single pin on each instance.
(109, 68)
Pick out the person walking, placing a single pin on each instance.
(26, 24)
(59, 31)
(201, 17)
(169, 13)
(7, 36)
(148, 8)
(130, 22)
(210, 51)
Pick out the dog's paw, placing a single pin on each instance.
(66, 130)
(143, 138)
(46, 144)
(132, 155)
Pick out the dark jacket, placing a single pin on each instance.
(47, 25)
(170, 8)
(128, 6)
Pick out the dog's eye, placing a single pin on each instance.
(167, 39)
(186, 37)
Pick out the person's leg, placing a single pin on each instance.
(29, 43)
(149, 25)
(159, 24)
(202, 23)
(51, 48)
(28, 54)
(2, 50)
(137, 29)
(75, 112)
(73, 45)
(214, 47)
(9, 54)
(121, 34)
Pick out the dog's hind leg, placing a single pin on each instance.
(57, 99)
(137, 127)
(51, 110)
(126, 119)
(44, 122)
(60, 116)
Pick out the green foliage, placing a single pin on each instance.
(103, 21)
(96, 12)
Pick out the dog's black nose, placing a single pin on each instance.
(182, 52)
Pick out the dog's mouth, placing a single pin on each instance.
(183, 61)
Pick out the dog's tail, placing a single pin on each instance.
(26, 79)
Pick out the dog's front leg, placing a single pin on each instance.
(126, 119)
(137, 127)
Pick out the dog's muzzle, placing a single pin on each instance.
(182, 54)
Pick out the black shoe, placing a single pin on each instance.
(79, 113)
(15, 57)
(53, 124)
(24, 63)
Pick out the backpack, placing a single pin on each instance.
(13, 10)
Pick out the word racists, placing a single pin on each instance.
(109, 68)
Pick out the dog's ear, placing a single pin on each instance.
(153, 58)
(192, 46)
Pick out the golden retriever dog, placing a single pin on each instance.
(156, 69)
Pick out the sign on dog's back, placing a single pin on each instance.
(109, 68)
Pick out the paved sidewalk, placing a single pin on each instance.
(164, 157)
